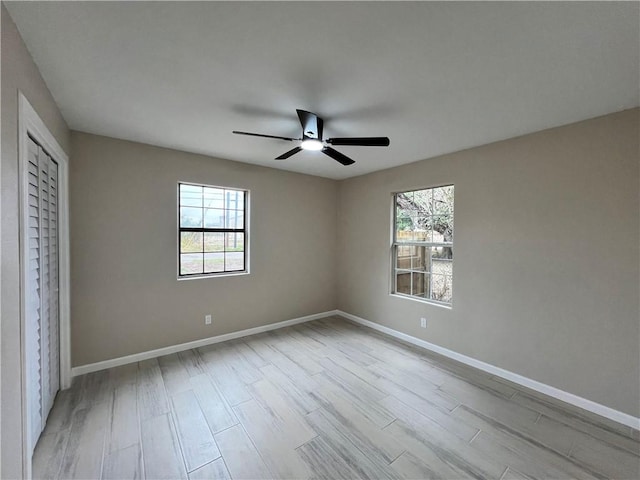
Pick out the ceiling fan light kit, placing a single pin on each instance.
(312, 144)
(312, 139)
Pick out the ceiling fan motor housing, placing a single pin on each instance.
(311, 125)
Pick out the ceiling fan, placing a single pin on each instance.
(312, 139)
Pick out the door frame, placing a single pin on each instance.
(30, 124)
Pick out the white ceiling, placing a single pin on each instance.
(434, 77)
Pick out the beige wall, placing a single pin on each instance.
(546, 256)
(18, 73)
(124, 294)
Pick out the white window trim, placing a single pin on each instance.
(30, 123)
(247, 235)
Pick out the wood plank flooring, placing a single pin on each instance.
(324, 399)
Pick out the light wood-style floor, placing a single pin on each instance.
(325, 399)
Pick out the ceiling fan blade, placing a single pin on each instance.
(360, 141)
(266, 136)
(293, 151)
(337, 156)
(311, 124)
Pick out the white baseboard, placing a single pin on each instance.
(570, 398)
(137, 357)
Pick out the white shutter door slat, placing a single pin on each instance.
(33, 223)
(43, 336)
(33, 179)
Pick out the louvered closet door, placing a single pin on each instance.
(33, 318)
(42, 311)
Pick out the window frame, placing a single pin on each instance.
(395, 244)
(244, 231)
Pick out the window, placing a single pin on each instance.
(212, 233)
(423, 244)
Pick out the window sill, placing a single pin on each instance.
(446, 306)
(212, 275)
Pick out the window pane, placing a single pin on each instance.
(190, 242)
(403, 256)
(405, 198)
(443, 200)
(403, 283)
(234, 199)
(423, 202)
(418, 284)
(404, 235)
(422, 235)
(213, 262)
(191, 195)
(234, 242)
(190, 217)
(441, 288)
(442, 266)
(235, 219)
(213, 242)
(241, 196)
(403, 218)
(441, 227)
(442, 252)
(419, 261)
(234, 261)
(213, 197)
(214, 218)
(190, 263)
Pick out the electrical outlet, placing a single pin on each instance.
(207, 319)
(423, 322)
